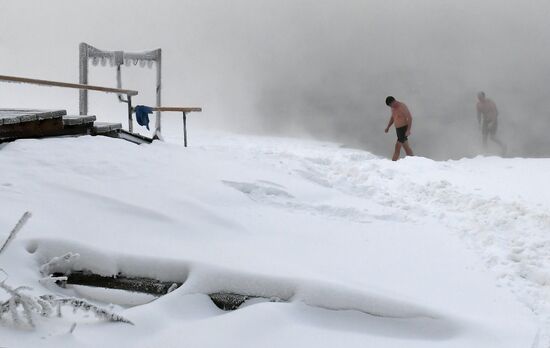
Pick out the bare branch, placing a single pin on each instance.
(22, 221)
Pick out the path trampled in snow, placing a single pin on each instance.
(511, 235)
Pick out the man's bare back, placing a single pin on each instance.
(401, 115)
(402, 119)
(488, 109)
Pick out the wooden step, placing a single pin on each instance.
(77, 125)
(72, 120)
(134, 137)
(30, 123)
(105, 127)
(114, 130)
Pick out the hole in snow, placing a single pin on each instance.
(31, 247)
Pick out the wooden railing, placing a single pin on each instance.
(128, 92)
(16, 79)
(184, 111)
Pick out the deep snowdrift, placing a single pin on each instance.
(363, 251)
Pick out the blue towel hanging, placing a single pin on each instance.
(142, 115)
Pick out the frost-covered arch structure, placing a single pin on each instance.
(90, 54)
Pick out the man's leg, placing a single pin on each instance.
(484, 138)
(498, 142)
(397, 151)
(408, 149)
(484, 134)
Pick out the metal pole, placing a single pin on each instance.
(130, 120)
(119, 83)
(118, 58)
(83, 78)
(184, 129)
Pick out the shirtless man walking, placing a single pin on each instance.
(401, 117)
(487, 117)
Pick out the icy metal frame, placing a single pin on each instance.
(118, 58)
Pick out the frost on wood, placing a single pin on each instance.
(60, 264)
(22, 221)
(50, 280)
(172, 287)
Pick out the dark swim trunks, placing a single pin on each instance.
(401, 134)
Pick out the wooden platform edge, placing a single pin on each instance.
(31, 116)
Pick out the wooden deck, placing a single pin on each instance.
(30, 123)
(15, 116)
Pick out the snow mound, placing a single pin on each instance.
(208, 279)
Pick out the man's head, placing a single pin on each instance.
(390, 101)
(481, 96)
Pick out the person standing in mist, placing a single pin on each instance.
(402, 119)
(487, 118)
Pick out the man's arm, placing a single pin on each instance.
(389, 124)
(409, 124)
(409, 120)
(478, 114)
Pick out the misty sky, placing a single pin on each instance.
(304, 67)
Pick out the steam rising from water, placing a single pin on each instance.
(321, 68)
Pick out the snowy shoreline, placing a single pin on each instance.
(466, 239)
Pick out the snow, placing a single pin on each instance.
(352, 249)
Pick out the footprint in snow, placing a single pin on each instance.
(260, 190)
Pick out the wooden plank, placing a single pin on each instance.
(76, 130)
(114, 130)
(120, 282)
(133, 137)
(15, 116)
(177, 108)
(17, 79)
(32, 129)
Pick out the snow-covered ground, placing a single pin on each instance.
(360, 251)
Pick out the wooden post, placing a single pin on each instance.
(158, 120)
(184, 129)
(130, 120)
(83, 79)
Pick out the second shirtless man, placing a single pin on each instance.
(401, 117)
